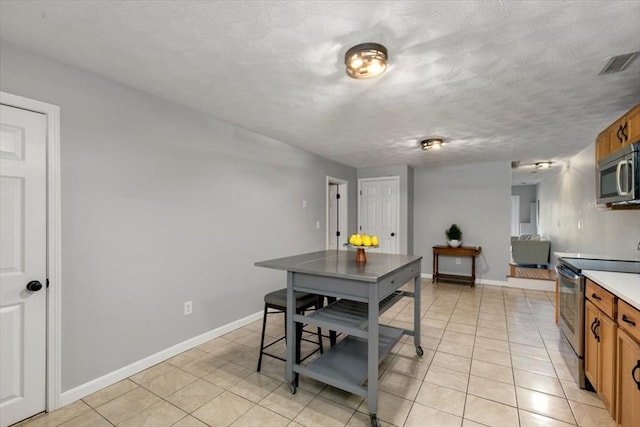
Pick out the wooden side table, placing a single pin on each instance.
(461, 251)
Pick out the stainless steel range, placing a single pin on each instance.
(571, 285)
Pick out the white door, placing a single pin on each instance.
(378, 212)
(22, 262)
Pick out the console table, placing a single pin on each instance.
(459, 252)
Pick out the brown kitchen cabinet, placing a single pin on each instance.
(625, 130)
(622, 132)
(628, 366)
(603, 146)
(600, 352)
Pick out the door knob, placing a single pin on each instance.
(34, 286)
(393, 234)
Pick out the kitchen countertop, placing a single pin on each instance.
(593, 256)
(625, 286)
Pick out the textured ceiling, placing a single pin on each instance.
(499, 80)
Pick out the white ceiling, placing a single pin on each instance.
(499, 80)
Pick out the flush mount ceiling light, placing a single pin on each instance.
(366, 60)
(543, 165)
(432, 143)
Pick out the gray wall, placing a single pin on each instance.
(528, 194)
(568, 198)
(477, 198)
(405, 173)
(162, 204)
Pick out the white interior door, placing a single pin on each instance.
(22, 260)
(378, 211)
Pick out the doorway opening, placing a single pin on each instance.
(337, 215)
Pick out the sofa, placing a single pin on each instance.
(530, 250)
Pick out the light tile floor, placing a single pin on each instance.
(493, 356)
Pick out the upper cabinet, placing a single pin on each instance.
(622, 132)
(625, 130)
(603, 147)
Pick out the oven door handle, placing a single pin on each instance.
(568, 274)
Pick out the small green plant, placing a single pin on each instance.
(454, 232)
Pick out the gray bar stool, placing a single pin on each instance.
(277, 301)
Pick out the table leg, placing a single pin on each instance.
(473, 270)
(417, 288)
(435, 268)
(372, 350)
(291, 330)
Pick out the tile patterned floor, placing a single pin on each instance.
(493, 356)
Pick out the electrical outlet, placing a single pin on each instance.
(317, 225)
(458, 261)
(304, 203)
(188, 308)
(639, 246)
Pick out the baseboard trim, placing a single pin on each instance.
(92, 386)
(528, 284)
(479, 281)
(531, 284)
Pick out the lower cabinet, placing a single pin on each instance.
(600, 354)
(628, 373)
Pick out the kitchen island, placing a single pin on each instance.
(364, 291)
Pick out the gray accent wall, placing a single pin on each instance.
(477, 197)
(571, 219)
(162, 204)
(405, 173)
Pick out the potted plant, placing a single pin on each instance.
(454, 236)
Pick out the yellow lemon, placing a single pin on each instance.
(352, 239)
(366, 240)
(374, 240)
(357, 241)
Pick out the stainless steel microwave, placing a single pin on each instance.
(619, 176)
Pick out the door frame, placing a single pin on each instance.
(343, 189)
(395, 178)
(515, 214)
(54, 253)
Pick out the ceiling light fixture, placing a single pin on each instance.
(543, 165)
(432, 143)
(366, 60)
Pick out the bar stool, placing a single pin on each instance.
(277, 301)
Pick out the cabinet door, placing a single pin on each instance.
(633, 125)
(616, 139)
(603, 147)
(607, 331)
(591, 344)
(628, 373)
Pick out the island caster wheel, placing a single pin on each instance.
(374, 420)
(419, 351)
(292, 387)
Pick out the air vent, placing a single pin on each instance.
(515, 164)
(619, 63)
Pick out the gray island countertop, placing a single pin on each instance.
(341, 264)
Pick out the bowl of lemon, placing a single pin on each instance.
(361, 242)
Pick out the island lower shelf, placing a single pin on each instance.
(348, 316)
(345, 365)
